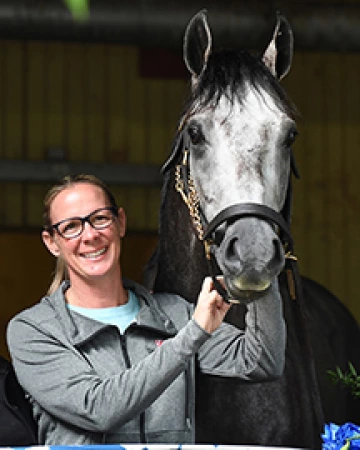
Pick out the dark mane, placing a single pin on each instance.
(227, 73)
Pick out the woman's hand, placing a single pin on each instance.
(211, 307)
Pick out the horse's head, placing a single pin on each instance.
(237, 131)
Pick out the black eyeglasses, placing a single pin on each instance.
(74, 226)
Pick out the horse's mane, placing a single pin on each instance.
(228, 73)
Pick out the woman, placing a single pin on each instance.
(105, 361)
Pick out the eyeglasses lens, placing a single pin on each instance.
(70, 228)
(74, 227)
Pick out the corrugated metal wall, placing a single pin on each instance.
(95, 103)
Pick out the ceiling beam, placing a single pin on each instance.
(53, 171)
(161, 23)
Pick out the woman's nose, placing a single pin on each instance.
(89, 232)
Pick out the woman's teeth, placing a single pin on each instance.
(95, 254)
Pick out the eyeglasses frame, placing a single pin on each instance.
(83, 220)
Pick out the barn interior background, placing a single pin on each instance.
(104, 95)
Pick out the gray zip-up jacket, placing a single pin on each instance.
(90, 384)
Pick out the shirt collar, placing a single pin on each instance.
(80, 328)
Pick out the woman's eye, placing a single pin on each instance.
(100, 218)
(195, 134)
(69, 226)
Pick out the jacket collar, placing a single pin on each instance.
(80, 329)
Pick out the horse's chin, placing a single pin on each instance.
(239, 293)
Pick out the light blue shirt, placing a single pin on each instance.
(121, 316)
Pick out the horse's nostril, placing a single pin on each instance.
(231, 252)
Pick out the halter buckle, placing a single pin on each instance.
(290, 255)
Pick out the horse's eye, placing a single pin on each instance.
(290, 138)
(195, 134)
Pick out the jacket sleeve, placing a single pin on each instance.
(256, 353)
(60, 379)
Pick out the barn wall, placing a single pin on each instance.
(117, 104)
(91, 102)
(326, 217)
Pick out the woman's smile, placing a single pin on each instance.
(94, 254)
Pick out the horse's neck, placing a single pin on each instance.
(181, 264)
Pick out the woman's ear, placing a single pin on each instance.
(122, 222)
(49, 241)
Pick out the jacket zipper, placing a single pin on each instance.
(128, 365)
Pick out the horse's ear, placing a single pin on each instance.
(278, 55)
(197, 44)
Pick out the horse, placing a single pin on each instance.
(226, 210)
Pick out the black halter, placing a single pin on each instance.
(206, 230)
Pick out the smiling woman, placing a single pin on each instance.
(84, 234)
(86, 242)
(101, 358)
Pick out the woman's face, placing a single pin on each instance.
(94, 253)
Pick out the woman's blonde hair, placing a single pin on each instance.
(61, 272)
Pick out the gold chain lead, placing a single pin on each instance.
(191, 198)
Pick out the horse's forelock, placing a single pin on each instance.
(228, 73)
